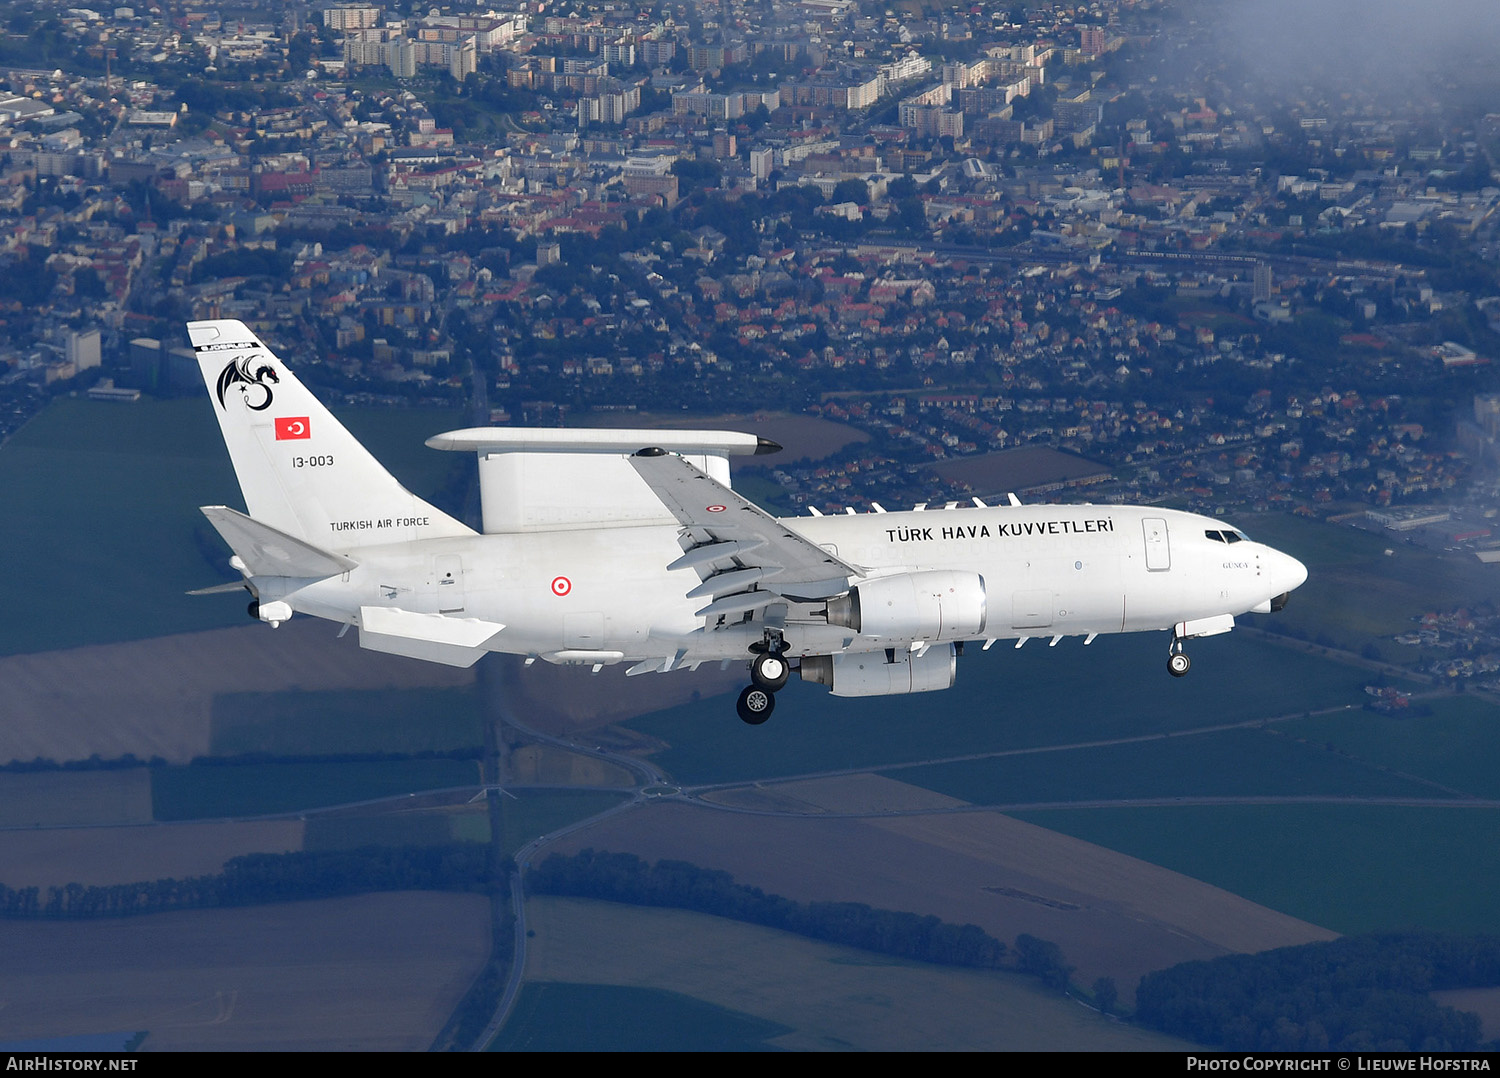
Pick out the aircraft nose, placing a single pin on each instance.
(1286, 571)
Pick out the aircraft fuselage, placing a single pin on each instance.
(605, 594)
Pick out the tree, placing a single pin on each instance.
(1043, 959)
(856, 191)
(1106, 995)
(902, 187)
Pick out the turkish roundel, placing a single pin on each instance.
(292, 427)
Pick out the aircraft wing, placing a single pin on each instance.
(746, 558)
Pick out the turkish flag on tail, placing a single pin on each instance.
(292, 427)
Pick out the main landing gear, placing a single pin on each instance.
(769, 671)
(1178, 664)
(755, 704)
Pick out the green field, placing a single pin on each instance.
(528, 814)
(104, 523)
(83, 798)
(397, 827)
(1457, 743)
(1230, 763)
(608, 1018)
(340, 832)
(524, 815)
(1351, 868)
(332, 723)
(813, 996)
(210, 791)
(1005, 699)
(104, 536)
(1356, 595)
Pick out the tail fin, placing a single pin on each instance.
(300, 471)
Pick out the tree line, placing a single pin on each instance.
(623, 877)
(255, 879)
(1358, 993)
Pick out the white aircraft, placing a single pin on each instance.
(629, 546)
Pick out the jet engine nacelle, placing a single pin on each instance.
(868, 673)
(938, 604)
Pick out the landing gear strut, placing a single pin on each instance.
(769, 671)
(1178, 664)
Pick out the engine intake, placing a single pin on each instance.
(871, 673)
(938, 604)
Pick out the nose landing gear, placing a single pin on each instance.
(1178, 664)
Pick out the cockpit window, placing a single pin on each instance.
(1217, 537)
(1228, 535)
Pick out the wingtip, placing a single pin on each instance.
(765, 445)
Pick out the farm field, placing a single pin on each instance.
(1454, 743)
(210, 791)
(1112, 915)
(1011, 470)
(537, 812)
(156, 698)
(75, 798)
(796, 994)
(1004, 699)
(1356, 595)
(308, 722)
(397, 824)
(558, 1017)
(373, 972)
(1351, 868)
(1223, 764)
(82, 470)
(112, 854)
(136, 473)
(524, 814)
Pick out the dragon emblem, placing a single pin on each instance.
(255, 386)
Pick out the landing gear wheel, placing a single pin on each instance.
(1178, 664)
(770, 671)
(253, 609)
(755, 705)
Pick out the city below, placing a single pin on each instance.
(1098, 229)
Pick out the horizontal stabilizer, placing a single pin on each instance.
(431, 637)
(220, 589)
(266, 551)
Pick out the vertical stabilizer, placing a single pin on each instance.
(299, 469)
